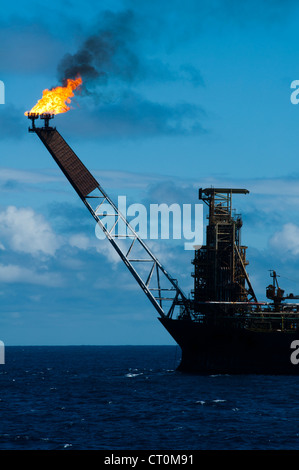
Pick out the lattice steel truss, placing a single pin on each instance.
(158, 285)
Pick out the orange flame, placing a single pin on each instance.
(56, 100)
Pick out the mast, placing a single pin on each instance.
(220, 266)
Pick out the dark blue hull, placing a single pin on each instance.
(225, 350)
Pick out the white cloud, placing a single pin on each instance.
(28, 177)
(286, 240)
(103, 246)
(79, 240)
(28, 232)
(23, 230)
(17, 274)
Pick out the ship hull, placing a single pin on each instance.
(227, 350)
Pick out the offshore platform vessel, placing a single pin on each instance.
(221, 328)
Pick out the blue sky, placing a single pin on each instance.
(184, 96)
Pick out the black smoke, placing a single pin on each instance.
(113, 62)
(107, 55)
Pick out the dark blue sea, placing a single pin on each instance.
(132, 398)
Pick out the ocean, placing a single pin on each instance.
(114, 398)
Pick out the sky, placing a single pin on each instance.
(176, 96)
